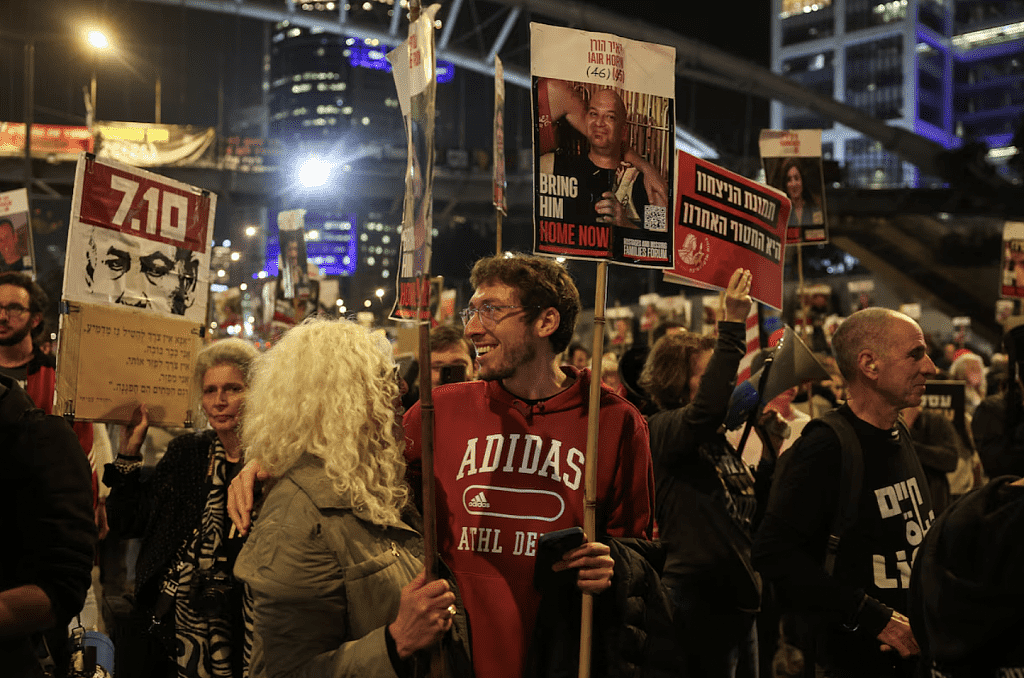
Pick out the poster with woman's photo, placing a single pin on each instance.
(15, 234)
(604, 146)
(792, 164)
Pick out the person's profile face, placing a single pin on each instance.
(606, 120)
(794, 183)
(8, 242)
(138, 273)
(698, 365)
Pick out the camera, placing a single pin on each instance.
(210, 595)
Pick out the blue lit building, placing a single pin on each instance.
(334, 97)
(950, 70)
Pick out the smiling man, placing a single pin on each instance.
(858, 610)
(510, 451)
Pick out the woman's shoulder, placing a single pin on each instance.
(188, 447)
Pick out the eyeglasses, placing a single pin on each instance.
(13, 310)
(486, 312)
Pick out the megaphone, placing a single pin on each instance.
(792, 364)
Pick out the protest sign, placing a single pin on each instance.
(1012, 279)
(948, 398)
(112, 359)
(792, 164)
(16, 252)
(138, 239)
(604, 140)
(725, 221)
(135, 292)
(413, 67)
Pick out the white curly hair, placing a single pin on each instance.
(328, 388)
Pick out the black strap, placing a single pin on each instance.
(850, 480)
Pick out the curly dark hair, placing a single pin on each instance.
(542, 283)
(37, 299)
(666, 374)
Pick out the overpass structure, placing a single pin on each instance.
(937, 246)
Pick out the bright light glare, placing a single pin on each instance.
(98, 40)
(367, 303)
(379, 293)
(250, 231)
(314, 173)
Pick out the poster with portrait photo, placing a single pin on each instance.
(792, 164)
(1012, 268)
(138, 239)
(604, 146)
(297, 294)
(15, 233)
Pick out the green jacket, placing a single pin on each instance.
(324, 579)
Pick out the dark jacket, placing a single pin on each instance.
(51, 532)
(966, 593)
(706, 500)
(162, 510)
(633, 635)
(1000, 444)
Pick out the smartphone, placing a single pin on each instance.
(551, 546)
(452, 374)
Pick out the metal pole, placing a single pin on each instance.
(30, 94)
(92, 91)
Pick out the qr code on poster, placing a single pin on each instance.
(655, 218)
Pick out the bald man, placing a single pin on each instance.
(610, 190)
(858, 610)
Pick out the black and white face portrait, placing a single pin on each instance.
(141, 273)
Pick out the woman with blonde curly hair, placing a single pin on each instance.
(332, 562)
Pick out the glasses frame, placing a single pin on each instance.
(486, 311)
(14, 310)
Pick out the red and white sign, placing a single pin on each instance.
(725, 221)
(133, 201)
(138, 239)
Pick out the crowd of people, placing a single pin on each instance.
(284, 535)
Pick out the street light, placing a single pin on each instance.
(97, 40)
(314, 172)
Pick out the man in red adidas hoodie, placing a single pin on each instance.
(509, 456)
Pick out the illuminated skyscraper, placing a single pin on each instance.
(950, 70)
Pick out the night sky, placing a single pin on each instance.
(199, 54)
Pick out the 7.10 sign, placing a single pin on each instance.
(141, 203)
(138, 239)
